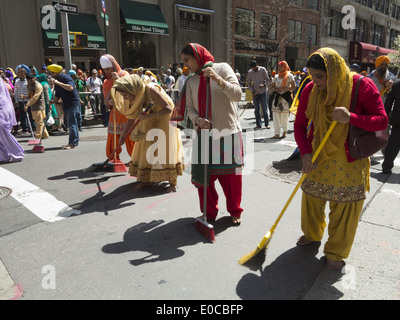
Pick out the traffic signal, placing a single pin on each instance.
(81, 40)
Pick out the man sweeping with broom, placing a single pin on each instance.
(210, 96)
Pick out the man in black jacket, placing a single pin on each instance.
(392, 107)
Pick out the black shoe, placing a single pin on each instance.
(387, 171)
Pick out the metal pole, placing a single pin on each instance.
(105, 31)
(66, 45)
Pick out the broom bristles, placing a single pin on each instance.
(119, 166)
(38, 149)
(263, 245)
(206, 229)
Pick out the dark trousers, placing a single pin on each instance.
(392, 149)
(257, 100)
(24, 119)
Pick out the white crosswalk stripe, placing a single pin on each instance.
(39, 202)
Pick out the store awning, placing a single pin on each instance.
(143, 18)
(366, 53)
(85, 23)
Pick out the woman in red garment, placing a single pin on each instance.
(335, 176)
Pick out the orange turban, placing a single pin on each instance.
(380, 60)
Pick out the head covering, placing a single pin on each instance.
(253, 63)
(107, 60)
(9, 74)
(355, 67)
(204, 59)
(42, 77)
(55, 68)
(72, 72)
(322, 102)
(13, 73)
(23, 66)
(284, 73)
(133, 85)
(380, 60)
(44, 67)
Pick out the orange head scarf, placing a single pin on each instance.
(284, 73)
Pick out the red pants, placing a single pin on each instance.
(232, 186)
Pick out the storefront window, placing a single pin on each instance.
(138, 51)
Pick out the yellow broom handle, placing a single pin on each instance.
(326, 137)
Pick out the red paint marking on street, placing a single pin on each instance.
(177, 194)
(107, 185)
(18, 291)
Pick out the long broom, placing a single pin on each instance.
(104, 165)
(202, 225)
(39, 148)
(267, 238)
(32, 141)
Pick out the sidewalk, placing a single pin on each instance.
(373, 268)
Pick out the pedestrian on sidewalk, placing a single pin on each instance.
(37, 104)
(94, 85)
(282, 86)
(151, 162)
(21, 98)
(226, 158)
(112, 72)
(334, 177)
(392, 107)
(258, 82)
(66, 90)
(10, 149)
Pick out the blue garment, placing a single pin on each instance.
(72, 114)
(70, 99)
(261, 98)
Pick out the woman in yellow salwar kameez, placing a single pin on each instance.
(335, 176)
(158, 152)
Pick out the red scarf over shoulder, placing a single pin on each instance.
(204, 59)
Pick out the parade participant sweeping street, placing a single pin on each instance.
(151, 162)
(335, 177)
(226, 158)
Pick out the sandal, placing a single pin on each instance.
(68, 147)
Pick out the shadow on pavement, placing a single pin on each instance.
(289, 277)
(162, 241)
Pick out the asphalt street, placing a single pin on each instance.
(66, 234)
